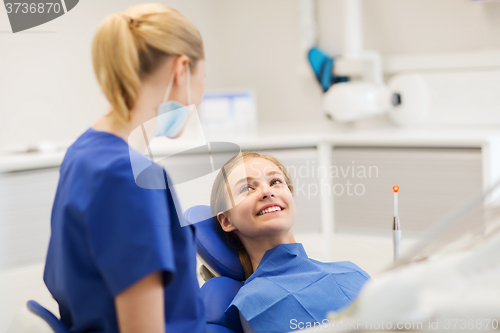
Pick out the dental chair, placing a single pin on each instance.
(221, 269)
(34, 318)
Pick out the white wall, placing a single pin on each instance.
(48, 91)
(415, 26)
(260, 45)
(47, 87)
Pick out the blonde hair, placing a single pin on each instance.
(218, 201)
(129, 46)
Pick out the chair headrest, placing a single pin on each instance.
(211, 245)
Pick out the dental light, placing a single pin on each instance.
(405, 99)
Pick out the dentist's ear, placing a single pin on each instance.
(180, 67)
(225, 223)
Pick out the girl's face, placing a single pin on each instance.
(264, 206)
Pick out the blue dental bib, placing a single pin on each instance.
(288, 288)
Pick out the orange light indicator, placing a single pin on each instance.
(395, 189)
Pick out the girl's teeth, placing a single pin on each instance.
(271, 209)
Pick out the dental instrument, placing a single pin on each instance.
(396, 227)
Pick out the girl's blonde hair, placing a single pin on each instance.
(129, 46)
(219, 197)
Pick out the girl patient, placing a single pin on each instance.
(252, 203)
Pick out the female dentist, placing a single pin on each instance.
(118, 258)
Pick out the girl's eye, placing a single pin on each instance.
(245, 188)
(276, 181)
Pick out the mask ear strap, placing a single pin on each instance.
(189, 85)
(169, 87)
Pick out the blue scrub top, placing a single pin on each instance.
(290, 291)
(108, 233)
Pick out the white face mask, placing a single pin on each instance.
(172, 115)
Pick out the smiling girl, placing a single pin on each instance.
(252, 203)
